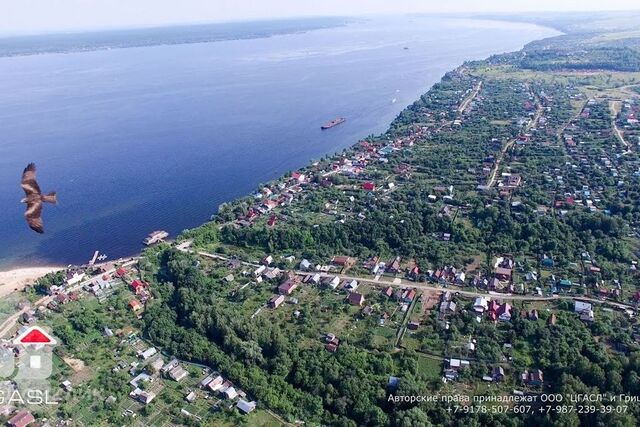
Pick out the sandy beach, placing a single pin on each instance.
(16, 280)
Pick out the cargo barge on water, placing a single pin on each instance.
(332, 123)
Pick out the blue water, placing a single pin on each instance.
(158, 137)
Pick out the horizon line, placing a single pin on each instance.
(109, 28)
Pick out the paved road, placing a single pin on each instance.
(533, 123)
(465, 104)
(400, 283)
(615, 107)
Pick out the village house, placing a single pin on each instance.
(275, 301)
(504, 312)
(271, 273)
(355, 298)
(503, 273)
(144, 355)
(497, 373)
(156, 364)
(408, 295)
(21, 419)
(258, 271)
(585, 310)
(371, 263)
(245, 406)
(138, 379)
(73, 277)
(287, 287)
(513, 181)
(343, 261)
(333, 283)
(139, 287)
(305, 265)
(206, 380)
(29, 316)
(178, 373)
(414, 272)
(332, 343)
(170, 365)
(533, 378)
(99, 283)
(368, 186)
(230, 393)
(454, 365)
(215, 384)
(480, 305)
(146, 397)
(62, 298)
(447, 307)
(393, 266)
(351, 285)
(298, 177)
(135, 305)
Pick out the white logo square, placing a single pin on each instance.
(35, 362)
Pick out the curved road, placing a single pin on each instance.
(403, 283)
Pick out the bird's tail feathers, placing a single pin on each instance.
(50, 197)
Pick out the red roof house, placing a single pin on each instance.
(287, 287)
(298, 176)
(21, 419)
(135, 305)
(411, 294)
(369, 186)
(138, 286)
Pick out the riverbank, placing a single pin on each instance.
(17, 279)
(245, 117)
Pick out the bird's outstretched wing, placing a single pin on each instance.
(33, 215)
(29, 183)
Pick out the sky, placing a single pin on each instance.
(41, 16)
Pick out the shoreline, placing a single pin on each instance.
(15, 280)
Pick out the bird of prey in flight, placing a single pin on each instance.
(34, 198)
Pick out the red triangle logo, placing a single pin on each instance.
(34, 335)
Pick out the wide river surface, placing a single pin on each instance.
(157, 137)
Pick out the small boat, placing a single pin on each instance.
(332, 123)
(393, 101)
